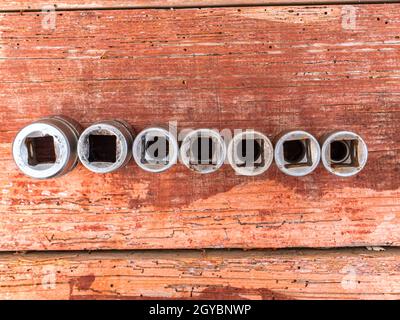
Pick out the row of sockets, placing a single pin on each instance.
(52, 146)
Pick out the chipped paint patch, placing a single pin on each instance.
(46, 193)
(387, 227)
(74, 54)
(292, 16)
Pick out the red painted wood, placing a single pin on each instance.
(343, 274)
(267, 68)
(129, 4)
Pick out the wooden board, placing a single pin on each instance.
(345, 274)
(267, 68)
(39, 5)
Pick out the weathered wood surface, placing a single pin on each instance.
(267, 68)
(13, 5)
(345, 274)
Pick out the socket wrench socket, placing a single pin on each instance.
(47, 148)
(106, 146)
(344, 153)
(250, 153)
(155, 149)
(203, 151)
(297, 153)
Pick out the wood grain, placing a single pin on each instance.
(267, 68)
(39, 5)
(345, 274)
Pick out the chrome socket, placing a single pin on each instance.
(106, 146)
(203, 151)
(297, 153)
(155, 149)
(47, 148)
(344, 153)
(250, 153)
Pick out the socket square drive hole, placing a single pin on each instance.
(102, 148)
(155, 150)
(343, 153)
(203, 151)
(297, 153)
(250, 153)
(41, 150)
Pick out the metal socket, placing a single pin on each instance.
(106, 146)
(155, 149)
(203, 151)
(47, 148)
(250, 153)
(297, 153)
(344, 153)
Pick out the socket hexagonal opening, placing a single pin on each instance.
(344, 153)
(297, 153)
(250, 152)
(102, 148)
(155, 150)
(41, 150)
